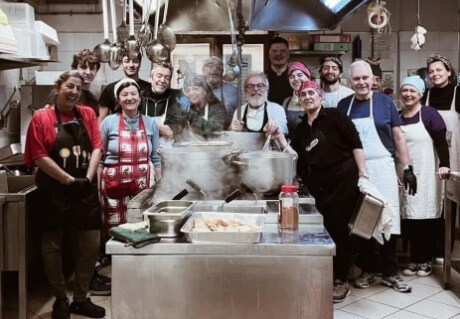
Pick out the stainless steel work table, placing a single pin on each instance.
(286, 275)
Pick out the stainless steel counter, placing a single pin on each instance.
(287, 275)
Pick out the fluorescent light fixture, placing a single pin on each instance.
(335, 5)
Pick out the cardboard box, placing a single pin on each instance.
(332, 38)
(331, 46)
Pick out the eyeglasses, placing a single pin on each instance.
(252, 87)
(214, 66)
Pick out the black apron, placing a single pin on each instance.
(246, 129)
(60, 209)
(333, 181)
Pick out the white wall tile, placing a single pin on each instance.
(448, 41)
(404, 40)
(67, 42)
(66, 59)
(97, 38)
(144, 75)
(84, 40)
(432, 42)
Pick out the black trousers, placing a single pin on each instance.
(373, 257)
(421, 234)
(335, 191)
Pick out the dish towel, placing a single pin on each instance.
(383, 227)
(135, 238)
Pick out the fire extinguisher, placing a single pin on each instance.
(357, 48)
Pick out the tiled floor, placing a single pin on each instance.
(428, 299)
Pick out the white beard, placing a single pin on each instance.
(257, 101)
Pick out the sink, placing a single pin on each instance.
(238, 206)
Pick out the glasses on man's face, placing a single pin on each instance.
(252, 87)
(213, 66)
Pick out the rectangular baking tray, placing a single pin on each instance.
(169, 209)
(224, 237)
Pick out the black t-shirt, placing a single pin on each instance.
(279, 87)
(107, 98)
(441, 98)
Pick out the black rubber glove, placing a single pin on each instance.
(409, 180)
(79, 187)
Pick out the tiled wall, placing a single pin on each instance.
(445, 43)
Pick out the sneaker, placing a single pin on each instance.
(340, 291)
(396, 283)
(424, 269)
(87, 308)
(104, 279)
(98, 288)
(61, 309)
(364, 280)
(411, 270)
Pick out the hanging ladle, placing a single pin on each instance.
(157, 52)
(144, 36)
(102, 50)
(166, 35)
(115, 50)
(234, 71)
(132, 46)
(123, 32)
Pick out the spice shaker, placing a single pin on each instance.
(289, 208)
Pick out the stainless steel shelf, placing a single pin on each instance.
(315, 53)
(13, 61)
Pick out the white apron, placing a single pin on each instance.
(380, 164)
(426, 203)
(452, 120)
(165, 143)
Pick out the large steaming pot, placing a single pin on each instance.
(202, 165)
(264, 171)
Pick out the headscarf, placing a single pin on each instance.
(416, 82)
(334, 59)
(299, 66)
(123, 81)
(310, 84)
(437, 57)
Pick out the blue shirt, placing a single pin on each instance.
(109, 133)
(385, 115)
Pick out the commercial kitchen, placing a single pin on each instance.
(229, 176)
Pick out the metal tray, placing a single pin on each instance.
(169, 209)
(224, 237)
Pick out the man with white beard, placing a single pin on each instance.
(331, 70)
(259, 114)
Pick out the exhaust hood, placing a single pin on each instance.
(263, 15)
(298, 15)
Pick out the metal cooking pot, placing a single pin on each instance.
(264, 171)
(204, 167)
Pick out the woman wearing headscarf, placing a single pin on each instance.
(297, 73)
(425, 134)
(130, 162)
(331, 160)
(207, 113)
(444, 97)
(58, 137)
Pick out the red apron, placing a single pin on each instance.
(132, 172)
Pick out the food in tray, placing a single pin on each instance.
(223, 225)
